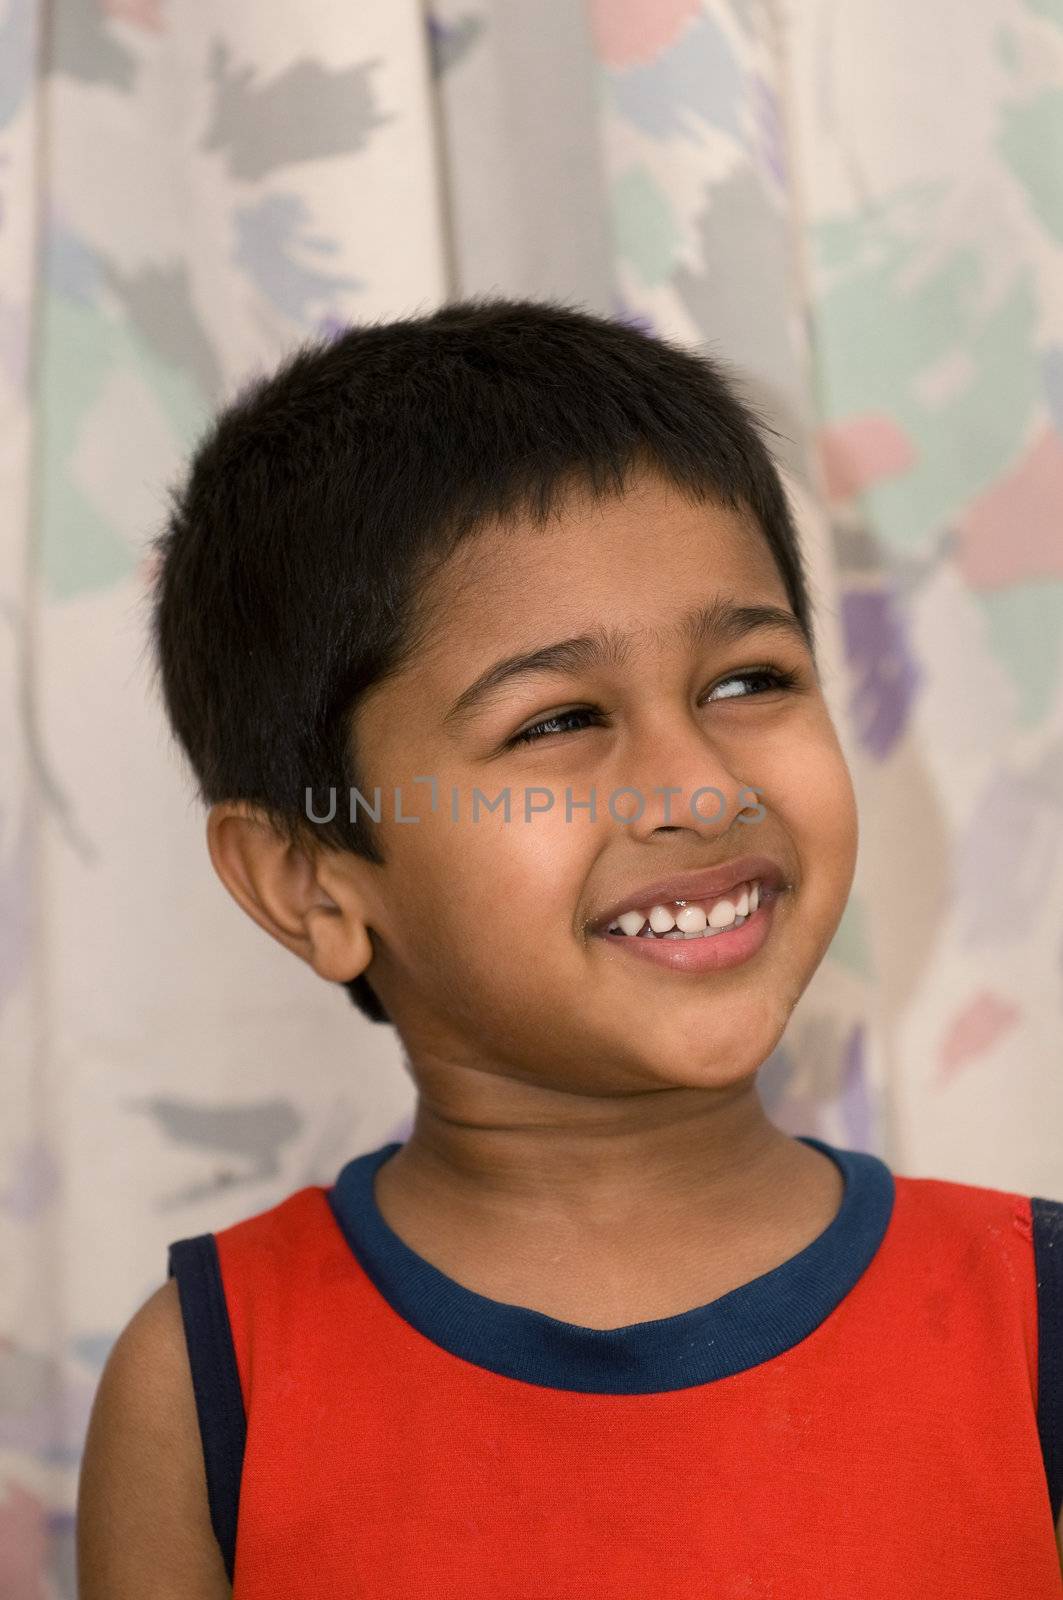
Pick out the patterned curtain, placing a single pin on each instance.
(860, 204)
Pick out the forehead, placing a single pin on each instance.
(651, 554)
(637, 564)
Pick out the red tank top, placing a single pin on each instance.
(866, 1419)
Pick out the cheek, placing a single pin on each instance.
(814, 795)
(532, 870)
(518, 876)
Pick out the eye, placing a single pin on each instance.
(768, 677)
(548, 726)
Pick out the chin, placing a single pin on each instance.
(705, 1062)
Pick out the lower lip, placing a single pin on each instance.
(715, 954)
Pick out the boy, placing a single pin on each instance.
(526, 579)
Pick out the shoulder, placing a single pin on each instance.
(963, 1245)
(969, 1224)
(143, 1518)
(948, 1209)
(1008, 1248)
(256, 1248)
(1047, 1217)
(985, 1237)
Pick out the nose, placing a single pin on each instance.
(675, 777)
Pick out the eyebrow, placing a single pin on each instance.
(719, 622)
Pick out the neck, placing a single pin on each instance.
(628, 1212)
(595, 1162)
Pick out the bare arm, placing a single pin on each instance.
(143, 1519)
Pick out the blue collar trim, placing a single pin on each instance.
(742, 1328)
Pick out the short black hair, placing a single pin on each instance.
(320, 498)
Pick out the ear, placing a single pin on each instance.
(281, 887)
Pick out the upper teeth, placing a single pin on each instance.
(690, 916)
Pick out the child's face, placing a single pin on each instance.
(483, 954)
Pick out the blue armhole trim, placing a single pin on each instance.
(1047, 1218)
(215, 1379)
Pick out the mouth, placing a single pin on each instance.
(703, 903)
(692, 919)
(698, 948)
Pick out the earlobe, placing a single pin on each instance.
(278, 886)
(339, 945)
